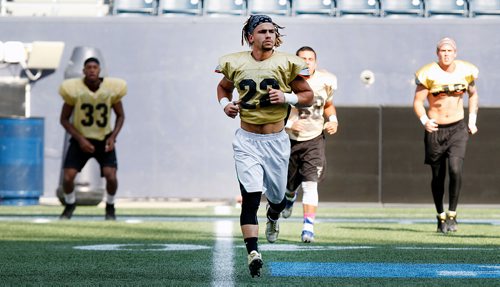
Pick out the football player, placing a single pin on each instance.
(443, 84)
(305, 127)
(89, 102)
(264, 79)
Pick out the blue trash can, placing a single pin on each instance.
(21, 160)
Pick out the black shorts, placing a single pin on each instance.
(307, 161)
(76, 158)
(449, 140)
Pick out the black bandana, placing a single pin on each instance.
(256, 20)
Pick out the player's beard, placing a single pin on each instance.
(268, 45)
(267, 48)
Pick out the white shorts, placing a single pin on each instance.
(262, 162)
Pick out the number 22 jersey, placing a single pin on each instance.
(253, 79)
(92, 110)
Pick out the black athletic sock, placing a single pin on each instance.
(251, 244)
(274, 210)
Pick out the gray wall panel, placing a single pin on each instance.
(353, 157)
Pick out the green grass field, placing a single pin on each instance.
(184, 247)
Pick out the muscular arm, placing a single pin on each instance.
(300, 88)
(473, 107)
(225, 90)
(473, 98)
(120, 119)
(66, 112)
(421, 93)
(304, 93)
(329, 110)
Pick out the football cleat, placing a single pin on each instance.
(68, 211)
(307, 236)
(272, 230)
(290, 200)
(272, 227)
(110, 212)
(441, 224)
(451, 222)
(255, 263)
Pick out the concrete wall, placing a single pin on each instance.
(176, 141)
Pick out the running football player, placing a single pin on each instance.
(305, 127)
(264, 79)
(443, 84)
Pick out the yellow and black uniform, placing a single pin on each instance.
(92, 118)
(92, 110)
(253, 78)
(449, 140)
(261, 160)
(438, 81)
(445, 148)
(307, 156)
(323, 85)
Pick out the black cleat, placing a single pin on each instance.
(110, 212)
(68, 211)
(255, 263)
(451, 223)
(441, 224)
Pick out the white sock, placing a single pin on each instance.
(308, 227)
(70, 198)
(309, 222)
(110, 199)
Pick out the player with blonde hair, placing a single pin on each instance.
(443, 84)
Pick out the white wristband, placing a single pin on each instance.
(424, 119)
(291, 99)
(472, 119)
(289, 124)
(333, 118)
(224, 102)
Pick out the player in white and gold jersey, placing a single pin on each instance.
(305, 127)
(89, 102)
(261, 147)
(443, 85)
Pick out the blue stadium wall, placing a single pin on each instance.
(176, 142)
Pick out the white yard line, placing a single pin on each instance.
(223, 256)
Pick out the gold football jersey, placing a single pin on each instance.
(438, 81)
(252, 80)
(323, 85)
(92, 110)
